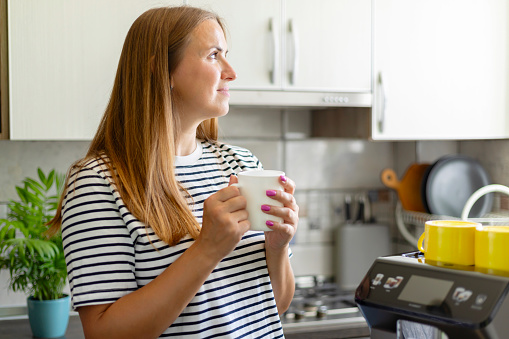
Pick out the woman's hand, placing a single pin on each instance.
(282, 232)
(276, 242)
(224, 221)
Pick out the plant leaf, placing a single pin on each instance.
(21, 193)
(50, 179)
(35, 186)
(36, 264)
(41, 175)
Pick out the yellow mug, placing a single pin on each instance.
(449, 241)
(492, 247)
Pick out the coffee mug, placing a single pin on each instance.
(449, 241)
(253, 186)
(492, 247)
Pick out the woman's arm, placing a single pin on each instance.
(150, 310)
(281, 277)
(276, 244)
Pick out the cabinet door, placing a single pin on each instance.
(328, 45)
(440, 69)
(63, 56)
(253, 37)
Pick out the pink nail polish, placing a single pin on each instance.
(265, 208)
(283, 178)
(270, 193)
(269, 223)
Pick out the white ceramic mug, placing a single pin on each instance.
(253, 186)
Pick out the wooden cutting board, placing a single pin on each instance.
(409, 188)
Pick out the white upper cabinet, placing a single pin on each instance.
(440, 69)
(253, 37)
(63, 57)
(298, 45)
(328, 45)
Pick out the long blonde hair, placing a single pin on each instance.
(140, 126)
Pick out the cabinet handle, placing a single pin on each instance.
(383, 104)
(293, 70)
(275, 51)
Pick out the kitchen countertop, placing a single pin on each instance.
(20, 329)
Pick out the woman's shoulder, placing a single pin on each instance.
(242, 156)
(226, 148)
(90, 167)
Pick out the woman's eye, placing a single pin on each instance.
(214, 55)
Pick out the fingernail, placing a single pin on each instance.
(269, 223)
(270, 193)
(283, 178)
(265, 208)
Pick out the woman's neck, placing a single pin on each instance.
(186, 144)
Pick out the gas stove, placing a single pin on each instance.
(320, 309)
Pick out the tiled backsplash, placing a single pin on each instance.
(325, 171)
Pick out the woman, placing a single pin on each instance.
(156, 240)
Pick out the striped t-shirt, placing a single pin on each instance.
(108, 252)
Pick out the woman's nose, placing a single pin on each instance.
(228, 72)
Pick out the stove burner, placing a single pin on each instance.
(322, 312)
(317, 299)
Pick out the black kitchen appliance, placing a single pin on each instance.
(405, 293)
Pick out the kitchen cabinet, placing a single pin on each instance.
(297, 45)
(63, 56)
(440, 70)
(4, 103)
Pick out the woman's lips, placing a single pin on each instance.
(225, 91)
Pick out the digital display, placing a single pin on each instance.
(425, 291)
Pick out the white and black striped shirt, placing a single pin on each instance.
(109, 255)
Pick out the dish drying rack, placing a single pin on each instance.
(406, 218)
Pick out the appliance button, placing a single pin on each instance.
(480, 299)
(392, 282)
(378, 279)
(461, 294)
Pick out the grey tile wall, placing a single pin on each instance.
(337, 164)
(493, 155)
(323, 169)
(20, 159)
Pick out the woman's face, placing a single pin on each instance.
(201, 79)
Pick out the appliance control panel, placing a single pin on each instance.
(335, 99)
(465, 296)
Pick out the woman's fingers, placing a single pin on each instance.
(288, 184)
(287, 199)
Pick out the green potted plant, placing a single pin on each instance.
(35, 261)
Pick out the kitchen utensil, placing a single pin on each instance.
(253, 186)
(491, 244)
(348, 209)
(360, 218)
(357, 245)
(450, 181)
(409, 188)
(478, 194)
(449, 241)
